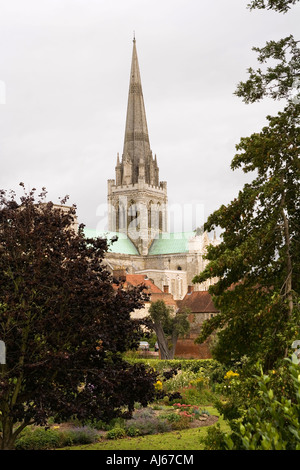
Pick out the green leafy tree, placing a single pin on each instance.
(278, 5)
(281, 61)
(258, 260)
(168, 327)
(64, 325)
(276, 81)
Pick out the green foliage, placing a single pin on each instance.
(187, 440)
(116, 433)
(182, 423)
(192, 396)
(258, 261)
(271, 421)
(215, 439)
(39, 439)
(194, 365)
(180, 380)
(171, 417)
(132, 431)
(278, 5)
(80, 435)
(190, 381)
(278, 80)
(45, 439)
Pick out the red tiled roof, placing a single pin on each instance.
(155, 292)
(166, 297)
(199, 302)
(138, 279)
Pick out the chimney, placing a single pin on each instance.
(166, 289)
(190, 289)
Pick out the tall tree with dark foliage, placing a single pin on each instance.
(63, 324)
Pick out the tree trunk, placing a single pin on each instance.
(162, 343)
(7, 441)
(165, 351)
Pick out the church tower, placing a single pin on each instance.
(137, 200)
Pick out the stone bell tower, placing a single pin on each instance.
(137, 200)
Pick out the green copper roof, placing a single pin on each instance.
(168, 243)
(123, 245)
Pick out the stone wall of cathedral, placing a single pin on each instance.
(172, 273)
(138, 210)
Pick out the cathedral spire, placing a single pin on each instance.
(137, 200)
(136, 141)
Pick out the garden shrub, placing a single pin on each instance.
(149, 426)
(45, 439)
(116, 433)
(146, 422)
(194, 365)
(143, 413)
(182, 380)
(182, 423)
(172, 397)
(214, 439)
(171, 417)
(179, 381)
(80, 435)
(132, 431)
(39, 439)
(100, 425)
(116, 423)
(272, 422)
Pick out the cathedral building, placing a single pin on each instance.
(138, 221)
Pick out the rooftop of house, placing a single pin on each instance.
(198, 302)
(138, 279)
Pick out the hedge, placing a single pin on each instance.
(184, 364)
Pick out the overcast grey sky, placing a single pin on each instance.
(66, 63)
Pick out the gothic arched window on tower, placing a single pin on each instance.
(133, 216)
(160, 218)
(121, 218)
(150, 215)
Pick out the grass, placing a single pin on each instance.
(188, 439)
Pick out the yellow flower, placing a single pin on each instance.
(158, 385)
(230, 375)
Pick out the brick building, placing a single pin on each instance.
(201, 308)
